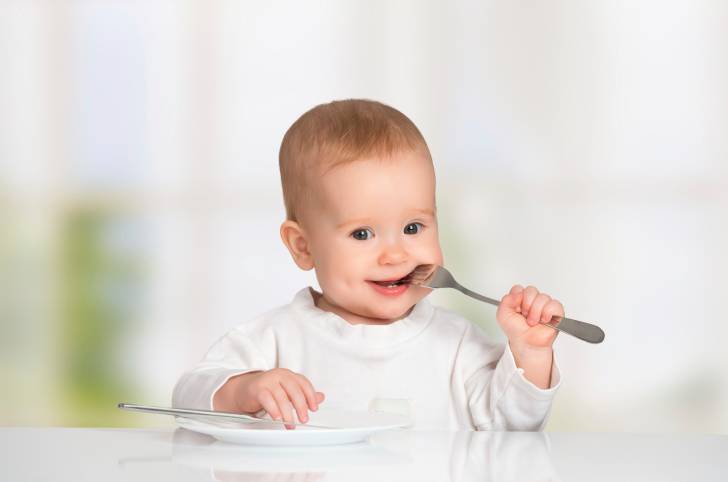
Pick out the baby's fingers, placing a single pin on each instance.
(309, 392)
(516, 289)
(296, 396)
(284, 405)
(269, 404)
(535, 311)
(552, 308)
(512, 301)
(529, 296)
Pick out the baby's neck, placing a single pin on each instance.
(352, 318)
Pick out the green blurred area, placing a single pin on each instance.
(72, 289)
(100, 287)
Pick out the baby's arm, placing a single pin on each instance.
(499, 395)
(520, 314)
(277, 391)
(239, 374)
(512, 387)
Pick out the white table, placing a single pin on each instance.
(104, 455)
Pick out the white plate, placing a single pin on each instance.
(355, 427)
(225, 457)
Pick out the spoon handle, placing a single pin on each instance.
(579, 329)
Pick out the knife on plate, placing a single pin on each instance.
(212, 414)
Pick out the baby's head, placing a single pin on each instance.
(359, 190)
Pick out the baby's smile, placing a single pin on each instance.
(391, 286)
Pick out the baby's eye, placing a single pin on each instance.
(412, 228)
(361, 234)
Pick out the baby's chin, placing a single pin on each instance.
(388, 311)
(385, 316)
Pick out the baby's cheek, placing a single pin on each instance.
(434, 251)
(440, 260)
(434, 256)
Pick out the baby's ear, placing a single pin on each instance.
(295, 240)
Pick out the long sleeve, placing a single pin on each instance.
(234, 354)
(499, 396)
(435, 362)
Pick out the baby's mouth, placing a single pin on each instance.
(394, 282)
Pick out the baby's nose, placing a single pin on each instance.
(393, 253)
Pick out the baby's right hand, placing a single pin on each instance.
(278, 392)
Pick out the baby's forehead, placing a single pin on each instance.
(373, 189)
(371, 176)
(376, 166)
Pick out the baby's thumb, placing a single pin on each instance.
(320, 397)
(511, 303)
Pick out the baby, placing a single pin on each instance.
(359, 190)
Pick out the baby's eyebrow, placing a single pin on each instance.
(427, 212)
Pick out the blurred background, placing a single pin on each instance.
(579, 146)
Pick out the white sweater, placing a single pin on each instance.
(433, 365)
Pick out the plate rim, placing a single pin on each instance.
(351, 430)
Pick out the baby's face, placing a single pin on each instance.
(374, 222)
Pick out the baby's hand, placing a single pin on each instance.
(520, 314)
(278, 392)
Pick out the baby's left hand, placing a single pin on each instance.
(520, 315)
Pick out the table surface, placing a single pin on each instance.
(79, 454)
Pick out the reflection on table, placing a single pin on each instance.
(399, 453)
(58, 454)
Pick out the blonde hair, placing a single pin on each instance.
(337, 133)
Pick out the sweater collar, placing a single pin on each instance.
(397, 331)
